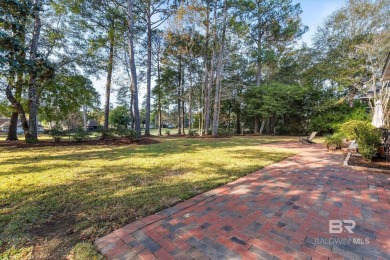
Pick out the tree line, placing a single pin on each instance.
(208, 66)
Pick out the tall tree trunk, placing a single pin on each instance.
(211, 74)
(238, 119)
(13, 127)
(111, 35)
(159, 105)
(259, 53)
(217, 95)
(262, 126)
(183, 117)
(85, 118)
(133, 69)
(259, 72)
(178, 100)
(190, 102)
(132, 107)
(32, 91)
(257, 124)
(206, 72)
(16, 104)
(148, 72)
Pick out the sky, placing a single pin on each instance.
(314, 12)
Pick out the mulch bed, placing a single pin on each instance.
(377, 163)
(46, 143)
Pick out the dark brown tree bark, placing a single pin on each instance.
(13, 127)
(238, 119)
(257, 124)
(20, 110)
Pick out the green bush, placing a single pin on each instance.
(80, 135)
(168, 132)
(107, 133)
(369, 140)
(335, 139)
(129, 134)
(192, 133)
(57, 134)
(348, 128)
(223, 132)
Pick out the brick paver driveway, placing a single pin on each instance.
(281, 211)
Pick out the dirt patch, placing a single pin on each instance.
(377, 163)
(46, 143)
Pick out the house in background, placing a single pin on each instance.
(5, 122)
(92, 125)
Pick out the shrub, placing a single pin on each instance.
(223, 132)
(348, 128)
(368, 139)
(57, 134)
(168, 132)
(192, 132)
(129, 134)
(335, 139)
(80, 135)
(107, 133)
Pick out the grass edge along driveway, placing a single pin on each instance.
(52, 198)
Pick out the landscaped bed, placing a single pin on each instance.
(376, 163)
(54, 197)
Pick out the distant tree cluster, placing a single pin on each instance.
(207, 65)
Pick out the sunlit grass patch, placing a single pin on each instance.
(84, 192)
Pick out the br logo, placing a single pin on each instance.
(337, 226)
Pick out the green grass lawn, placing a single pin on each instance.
(51, 198)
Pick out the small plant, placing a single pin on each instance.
(167, 132)
(192, 133)
(369, 140)
(80, 135)
(31, 140)
(335, 140)
(348, 128)
(107, 133)
(130, 134)
(57, 134)
(223, 132)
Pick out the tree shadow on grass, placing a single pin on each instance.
(108, 153)
(99, 200)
